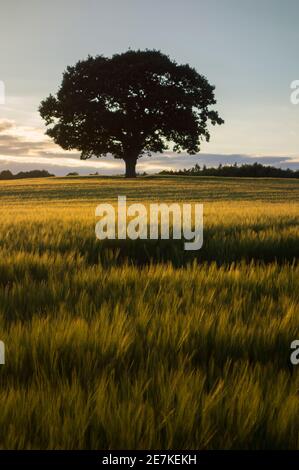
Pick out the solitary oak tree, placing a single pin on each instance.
(129, 105)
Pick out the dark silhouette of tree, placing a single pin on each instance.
(129, 105)
(7, 174)
(255, 170)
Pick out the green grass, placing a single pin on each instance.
(126, 346)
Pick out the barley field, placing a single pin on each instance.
(142, 345)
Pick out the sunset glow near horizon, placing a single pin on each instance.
(248, 50)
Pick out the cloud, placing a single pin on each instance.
(169, 160)
(25, 141)
(26, 148)
(5, 124)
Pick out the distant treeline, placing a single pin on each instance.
(7, 175)
(255, 170)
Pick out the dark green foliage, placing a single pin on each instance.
(129, 105)
(255, 170)
(7, 174)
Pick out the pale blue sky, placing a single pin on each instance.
(247, 48)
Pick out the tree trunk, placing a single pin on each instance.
(131, 167)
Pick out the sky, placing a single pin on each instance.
(248, 49)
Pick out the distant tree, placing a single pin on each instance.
(73, 173)
(7, 174)
(129, 105)
(255, 170)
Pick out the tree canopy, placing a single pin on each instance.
(131, 104)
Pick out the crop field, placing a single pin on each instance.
(142, 345)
